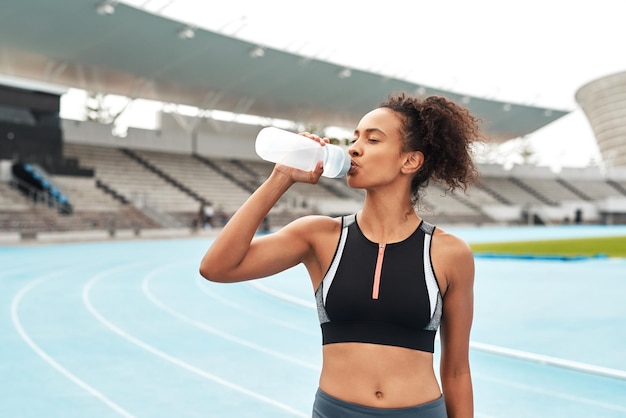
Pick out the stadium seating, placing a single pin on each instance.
(145, 189)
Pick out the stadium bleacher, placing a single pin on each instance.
(144, 189)
(158, 179)
(155, 180)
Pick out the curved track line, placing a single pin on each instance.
(178, 362)
(145, 285)
(560, 395)
(548, 360)
(283, 296)
(41, 353)
(489, 348)
(228, 302)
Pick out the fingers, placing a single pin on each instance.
(301, 176)
(323, 141)
(314, 176)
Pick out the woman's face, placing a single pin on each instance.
(376, 149)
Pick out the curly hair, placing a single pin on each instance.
(444, 132)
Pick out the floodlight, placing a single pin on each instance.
(186, 32)
(106, 7)
(256, 52)
(345, 73)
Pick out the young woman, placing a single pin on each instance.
(385, 279)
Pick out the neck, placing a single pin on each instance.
(386, 220)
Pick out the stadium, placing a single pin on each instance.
(86, 182)
(158, 179)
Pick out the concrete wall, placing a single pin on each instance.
(92, 133)
(234, 141)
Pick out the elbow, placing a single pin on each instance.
(210, 272)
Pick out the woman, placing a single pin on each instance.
(384, 278)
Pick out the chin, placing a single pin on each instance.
(354, 182)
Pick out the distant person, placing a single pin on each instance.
(385, 280)
(198, 222)
(222, 215)
(578, 216)
(209, 214)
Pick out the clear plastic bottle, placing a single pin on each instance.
(297, 151)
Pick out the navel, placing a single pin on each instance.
(379, 394)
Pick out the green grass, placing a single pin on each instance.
(609, 246)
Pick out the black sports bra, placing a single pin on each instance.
(381, 294)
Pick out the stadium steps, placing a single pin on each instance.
(138, 219)
(465, 202)
(37, 218)
(253, 174)
(163, 175)
(85, 195)
(111, 191)
(11, 199)
(532, 191)
(224, 173)
(334, 188)
(573, 189)
(493, 194)
(617, 186)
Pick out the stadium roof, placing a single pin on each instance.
(76, 43)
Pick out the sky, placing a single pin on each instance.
(536, 52)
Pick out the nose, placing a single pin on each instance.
(353, 149)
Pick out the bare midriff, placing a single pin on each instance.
(378, 375)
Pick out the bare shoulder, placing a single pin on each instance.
(313, 224)
(451, 244)
(316, 230)
(452, 257)
(321, 234)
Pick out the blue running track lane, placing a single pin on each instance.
(129, 329)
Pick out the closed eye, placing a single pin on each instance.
(352, 141)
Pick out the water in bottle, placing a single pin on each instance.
(297, 151)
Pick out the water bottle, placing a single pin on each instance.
(297, 151)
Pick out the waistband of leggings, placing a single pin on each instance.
(437, 403)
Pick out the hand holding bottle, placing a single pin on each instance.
(302, 151)
(304, 176)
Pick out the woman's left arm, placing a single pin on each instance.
(456, 261)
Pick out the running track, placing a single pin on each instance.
(130, 329)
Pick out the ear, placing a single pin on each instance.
(412, 162)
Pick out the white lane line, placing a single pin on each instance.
(201, 283)
(174, 360)
(560, 395)
(41, 353)
(145, 285)
(552, 361)
(282, 295)
(493, 349)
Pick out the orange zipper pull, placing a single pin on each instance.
(379, 267)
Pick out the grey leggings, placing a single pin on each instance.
(326, 406)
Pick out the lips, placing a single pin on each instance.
(353, 167)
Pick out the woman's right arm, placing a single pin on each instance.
(237, 255)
